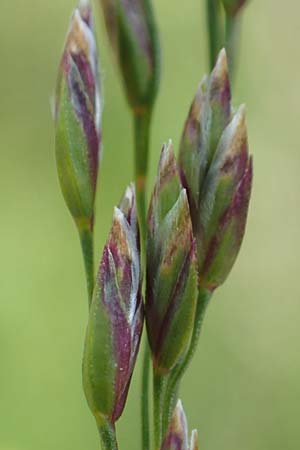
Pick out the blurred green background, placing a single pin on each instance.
(243, 389)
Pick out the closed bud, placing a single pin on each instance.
(171, 291)
(193, 149)
(227, 200)
(216, 170)
(194, 441)
(219, 100)
(77, 117)
(233, 7)
(177, 434)
(209, 114)
(133, 35)
(116, 317)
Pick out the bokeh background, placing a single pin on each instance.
(242, 390)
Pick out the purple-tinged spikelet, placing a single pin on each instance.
(171, 291)
(224, 208)
(77, 116)
(131, 28)
(116, 317)
(219, 100)
(177, 434)
(216, 170)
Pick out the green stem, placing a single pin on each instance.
(215, 30)
(232, 32)
(176, 375)
(87, 241)
(158, 395)
(142, 122)
(107, 434)
(145, 398)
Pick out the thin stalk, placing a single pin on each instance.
(107, 434)
(142, 120)
(158, 395)
(215, 30)
(87, 246)
(176, 375)
(232, 32)
(145, 398)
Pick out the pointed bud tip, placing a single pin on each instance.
(85, 10)
(76, 38)
(220, 93)
(179, 423)
(167, 187)
(184, 222)
(167, 163)
(77, 19)
(242, 111)
(179, 418)
(221, 68)
(179, 407)
(238, 122)
(80, 37)
(129, 195)
(127, 204)
(167, 150)
(194, 440)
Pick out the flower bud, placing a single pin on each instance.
(177, 434)
(171, 291)
(133, 35)
(216, 170)
(233, 7)
(116, 317)
(209, 114)
(194, 441)
(224, 205)
(219, 99)
(77, 117)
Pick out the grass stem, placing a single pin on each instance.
(179, 370)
